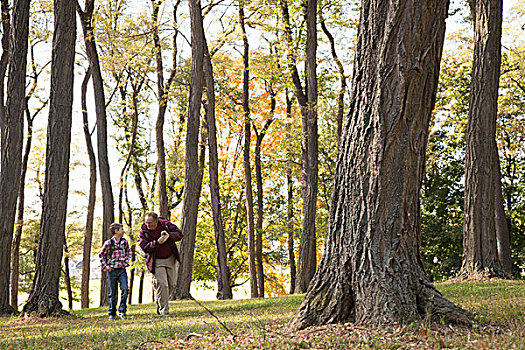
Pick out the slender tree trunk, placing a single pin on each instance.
(67, 278)
(480, 252)
(162, 93)
(12, 141)
(308, 102)
(86, 19)
(291, 252)
(192, 183)
(224, 290)
(247, 167)
(259, 182)
(140, 191)
(502, 226)
(43, 298)
(133, 251)
(134, 125)
(342, 89)
(141, 285)
(88, 236)
(371, 271)
(15, 259)
(290, 214)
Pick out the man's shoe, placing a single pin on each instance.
(123, 316)
(111, 317)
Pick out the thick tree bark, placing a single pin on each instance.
(6, 28)
(371, 271)
(192, 180)
(480, 253)
(86, 19)
(12, 142)
(502, 225)
(254, 291)
(43, 298)
(307, 261)
(88, 236)
(224, 290)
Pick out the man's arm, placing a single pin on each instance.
(174, 231)
(147, 244)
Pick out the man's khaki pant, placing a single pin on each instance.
(164, 280)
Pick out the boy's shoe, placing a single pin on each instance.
(111, 317)
(123, 316)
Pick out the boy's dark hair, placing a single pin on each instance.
(114, 227)
(152, 214)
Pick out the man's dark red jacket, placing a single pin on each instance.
(150, 245)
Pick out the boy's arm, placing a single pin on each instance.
(128, 253)
(103, 256)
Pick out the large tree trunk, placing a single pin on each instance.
(308, 102)
(43, 299)
(502, 225)
(88, 236)
(12, 142)
(371, 271)
(480, 252)
(192, 180)
(247, 167)
(6, 28)
(86, 19)
(224, 290)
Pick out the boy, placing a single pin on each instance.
(114, 258)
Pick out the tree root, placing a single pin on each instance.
(8, 310)
(444, 311)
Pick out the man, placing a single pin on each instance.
(114, 258)
(157, 240)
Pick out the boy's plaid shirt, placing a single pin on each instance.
(120, 256)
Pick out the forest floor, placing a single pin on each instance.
(499, 307)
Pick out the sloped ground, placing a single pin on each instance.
(261, 324)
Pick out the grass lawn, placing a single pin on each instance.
(499, 307)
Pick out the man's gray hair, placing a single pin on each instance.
(151, 214)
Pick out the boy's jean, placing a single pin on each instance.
(121, 277)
